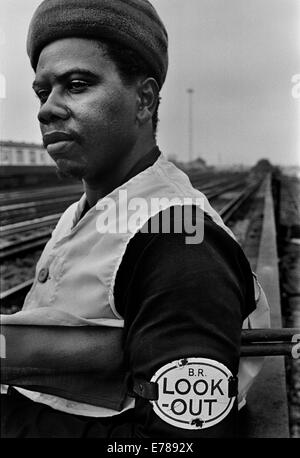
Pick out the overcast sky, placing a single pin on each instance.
(239, 57)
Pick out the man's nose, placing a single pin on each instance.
(52, 109)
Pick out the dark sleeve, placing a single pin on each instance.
(181, 300)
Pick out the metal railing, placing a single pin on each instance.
(271, 342)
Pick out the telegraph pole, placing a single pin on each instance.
(190, 92)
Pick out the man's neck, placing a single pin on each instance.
(134, 167)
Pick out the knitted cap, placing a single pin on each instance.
(134, 23)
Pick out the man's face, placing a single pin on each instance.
(87, 115)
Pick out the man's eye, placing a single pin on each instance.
(42, 95)
(77, 85)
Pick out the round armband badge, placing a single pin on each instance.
(193, 393)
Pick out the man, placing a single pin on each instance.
(130, 330)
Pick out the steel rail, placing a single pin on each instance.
(216, 192)
(16, 197)
(205, 187)
(22, 246)
(12, 296)
(228, 211)
(36, 223)
(38, 203)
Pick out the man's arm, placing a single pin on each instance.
(183, 301)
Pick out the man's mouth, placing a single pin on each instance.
(55, 137)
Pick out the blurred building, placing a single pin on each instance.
(19, 153)
(27, 165)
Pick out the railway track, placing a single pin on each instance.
(20, 212)
(19, 197)
(20, 247)
(35, 195)
(32, 224)
(42, 205)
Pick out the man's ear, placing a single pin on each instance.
(148, 95)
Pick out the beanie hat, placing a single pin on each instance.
(133, 23)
